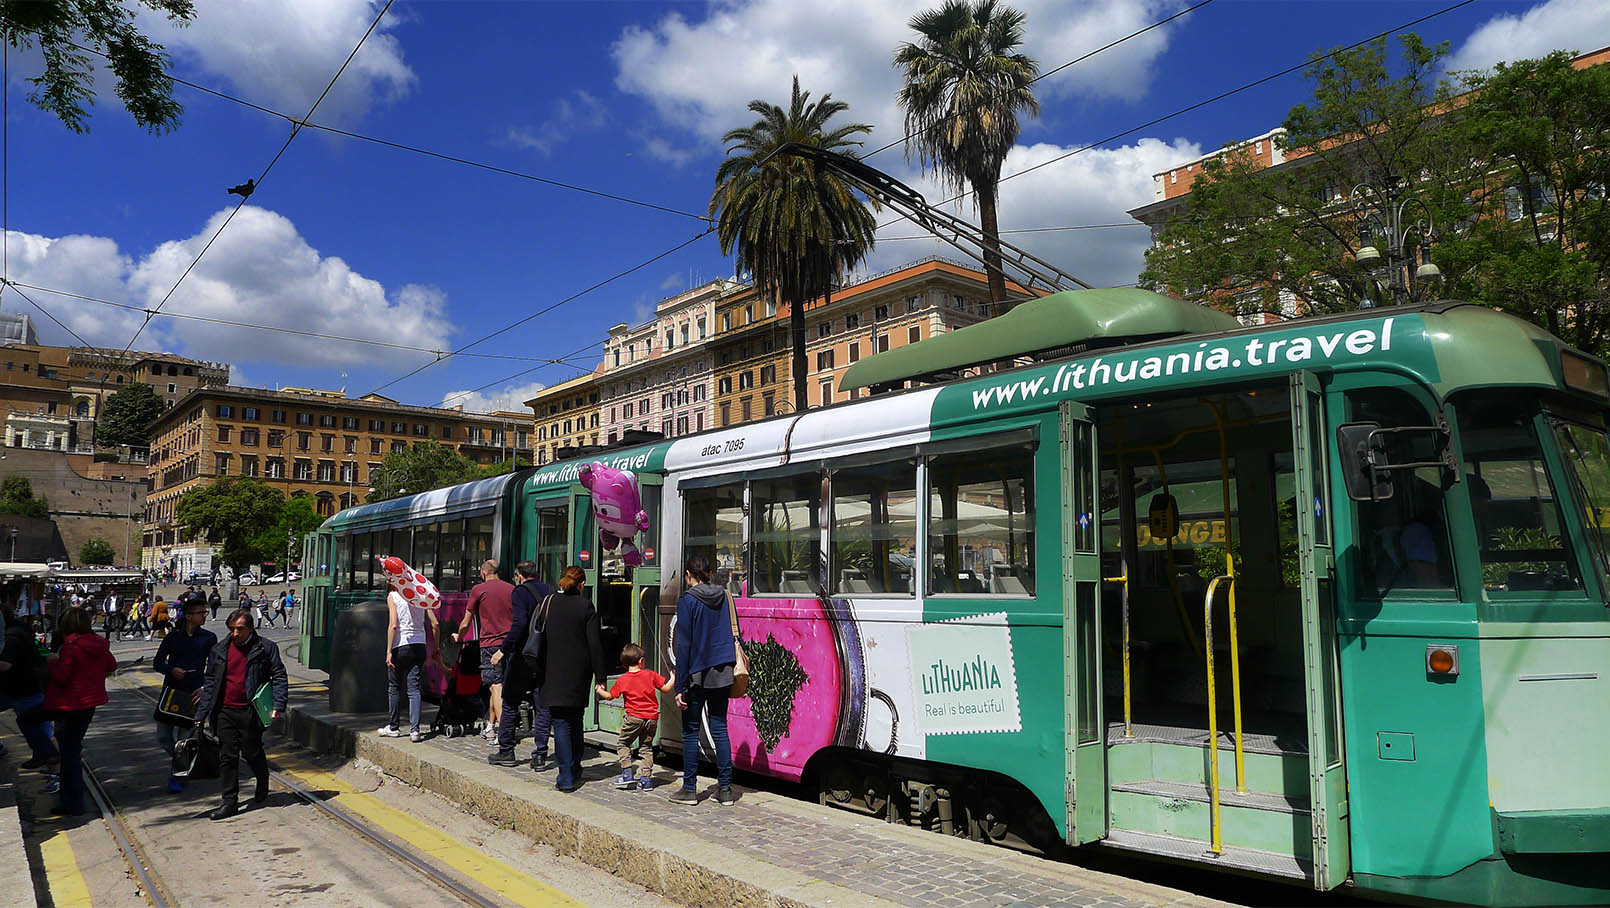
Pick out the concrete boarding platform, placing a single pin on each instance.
(769, 850)
(16, 878)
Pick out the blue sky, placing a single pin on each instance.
(351, 238)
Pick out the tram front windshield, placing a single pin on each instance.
(1586, 452)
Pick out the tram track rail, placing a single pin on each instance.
(150, 879)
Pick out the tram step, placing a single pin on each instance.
(1263, 821)
(1196, 851)
(1133, 761)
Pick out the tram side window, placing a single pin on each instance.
(451, 554)
(981, 522)
(363, 561)
(1517, 515)
(478, 546)
(786, 536)
(426, 539)
(874, 529)
(553, 541)
(713, 527)
(648, 541)
(1403, 541)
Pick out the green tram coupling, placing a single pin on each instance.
(981, 522)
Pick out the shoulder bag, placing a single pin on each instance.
(174, 706)
(740, 668)
(535, 651)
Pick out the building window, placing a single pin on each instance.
(277, 416)
(879, 313)
(684, 335)
(770, 404)
(746, 410)
(682, 424)
(746, 380)
(824, 360)
(726, 413)
(749, 314)
(374, 446)
(225, 411)
(665, 428)
(171, 386)
(698, 421)
(304, 419)
(276, 438)
(852, 321)
(223, 435)
(855, 351)
(827, 393)
(248, 437)
(248, 466)
(350, 423)
(221, 464)
(421, 430)
(326, 471)
(701, 329)
(351, 445)
(912, 303)
(276, 468)
(726, 321)
(882, 343)
(377, 425)
(913, 334)
(303, 469)
(326, 420)
(304, 441)
(349, 472)
(698, 393)
(251, 413)
(399, 428)
(824, 329)
(723, 386)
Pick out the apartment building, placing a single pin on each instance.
(304, 441)
(658, 376)
(754, 353)
(567, 416)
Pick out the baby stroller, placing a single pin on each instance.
(459, 714)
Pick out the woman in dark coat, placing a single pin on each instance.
(572, 665)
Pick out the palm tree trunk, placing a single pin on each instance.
(992, 246)
(796, 331)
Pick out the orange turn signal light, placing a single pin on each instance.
(1442, 660)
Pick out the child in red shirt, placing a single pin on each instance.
(641, 687)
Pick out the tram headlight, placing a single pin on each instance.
(1442, 660)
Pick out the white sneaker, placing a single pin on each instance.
(389, 731)
(415, 737)
(490, 733)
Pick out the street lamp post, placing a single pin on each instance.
(1386, 211)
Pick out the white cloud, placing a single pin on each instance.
(260, 270)
(1093, 187)
(1575, 25)
(571, 115)
(509, 397)
(282, 53)
(699, 75)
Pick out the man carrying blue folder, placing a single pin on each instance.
(246, 690)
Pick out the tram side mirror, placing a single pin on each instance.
(1163, 516)
(1364, 461)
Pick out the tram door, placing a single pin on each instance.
(1327, 775)
(1086, 725)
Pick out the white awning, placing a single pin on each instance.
(21, 569)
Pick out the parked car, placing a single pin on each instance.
(293, 576)
(247, 579)
(277, 578)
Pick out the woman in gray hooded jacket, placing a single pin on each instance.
(706, 652)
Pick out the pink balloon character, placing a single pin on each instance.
(408, 583)
(618, 508)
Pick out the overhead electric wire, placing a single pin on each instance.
(317, 335)
(1050, 72)
(296, 128)
(415, 149)
(47, 312)
(1203, 103)
(549, 308)
(929, 236)
(508, 378)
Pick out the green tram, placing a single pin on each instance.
(1322, 600)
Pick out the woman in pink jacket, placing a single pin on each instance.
(77, 685)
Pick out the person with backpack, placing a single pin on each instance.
(214, 602)
(518, 684)
(181, 660)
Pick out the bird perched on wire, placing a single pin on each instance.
(244, 190)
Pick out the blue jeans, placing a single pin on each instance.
(509, 719)
(71, 726)
(407, 665)
(713, 704)
(168, 737)
(567, 745)
(32, 722)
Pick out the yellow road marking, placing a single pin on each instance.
(462, 857)
(68, 889)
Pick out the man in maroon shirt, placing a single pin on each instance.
(238, 666)
(491, 602)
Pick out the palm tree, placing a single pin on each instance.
(795, 227)
(964, 88)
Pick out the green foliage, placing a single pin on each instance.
(1531, 540)
(964, 87)
(424, 466)
(233, 511)
(792, 225)
(1457, 149)
(107, 27)
(96, 551)
(106, 457)
(499, 467)
(127, 415)
(1545, 124)
(17, 497)
(296, 519)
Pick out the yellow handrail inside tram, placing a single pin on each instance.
(1129, 731)
(1217, 844)
(1229, 570)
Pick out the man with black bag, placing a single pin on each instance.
(181, 660)
(518, 683)
(238, 669)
